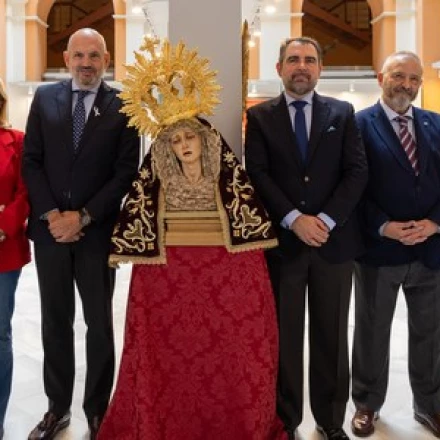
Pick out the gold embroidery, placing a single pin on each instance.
(245, 221)
(136, 234)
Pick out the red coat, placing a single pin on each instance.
(14, 250)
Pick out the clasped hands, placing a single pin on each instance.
(311, 230)
(411, 232)
(65, 227)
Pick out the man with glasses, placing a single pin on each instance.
(401, 218)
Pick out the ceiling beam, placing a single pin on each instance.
(322, 15)
(89, 20)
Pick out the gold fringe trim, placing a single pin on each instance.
(161, 228)
(115, 260)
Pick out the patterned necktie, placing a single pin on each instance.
(408, 142)
(79, 117)
(302, 138)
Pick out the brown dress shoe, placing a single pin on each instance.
(430, 421)
(362, 423)
(48, 428)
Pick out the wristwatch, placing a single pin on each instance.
(84, 217)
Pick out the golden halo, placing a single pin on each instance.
(167, 84)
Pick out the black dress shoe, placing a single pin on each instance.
(332, 433)
(48, 428)
(290, 433)
(94, 424)
(430, 421)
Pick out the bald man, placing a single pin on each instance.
(79, 160)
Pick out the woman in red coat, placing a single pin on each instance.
(14, 246)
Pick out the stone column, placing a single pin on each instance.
(383, 22)
(16, 23)
(406, 25)
(3, 39)
(275, 28)
(215, 29)
(428, 12)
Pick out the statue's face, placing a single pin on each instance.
(187, 145)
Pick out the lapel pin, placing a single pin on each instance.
(331, 128)
(96, 110)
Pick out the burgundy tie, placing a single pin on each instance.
(408, 142)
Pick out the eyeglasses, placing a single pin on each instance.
(401, 77)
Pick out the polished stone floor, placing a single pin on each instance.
(28, 401)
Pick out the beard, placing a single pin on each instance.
(87, 76)
(399, 99)
(300, 88)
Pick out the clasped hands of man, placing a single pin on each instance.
(411, 232)
(314, 232)
(65, 226)
(311, 230)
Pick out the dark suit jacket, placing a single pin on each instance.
(96, 177)
(394, 192)
(331, 181)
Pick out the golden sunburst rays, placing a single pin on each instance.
(167, 84)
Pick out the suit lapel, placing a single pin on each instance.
(64, 104)
(282, 128)
(385, 130)
(99, 108)
(421, 126)
(320, 115)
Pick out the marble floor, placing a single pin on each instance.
(28, 401)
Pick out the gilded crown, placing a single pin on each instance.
(167, 84)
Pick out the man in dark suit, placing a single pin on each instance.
(401, 217)
(306, 159)
(79, 160)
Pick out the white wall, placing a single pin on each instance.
(215, 29)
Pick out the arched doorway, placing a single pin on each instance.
(65, 17)
(44, 48)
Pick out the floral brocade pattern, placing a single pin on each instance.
(200, 353)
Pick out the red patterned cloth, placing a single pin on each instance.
(200, 353)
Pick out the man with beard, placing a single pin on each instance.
(305, 157)
(401, 217)
(79, 160)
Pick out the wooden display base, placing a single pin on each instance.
(193, 228)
